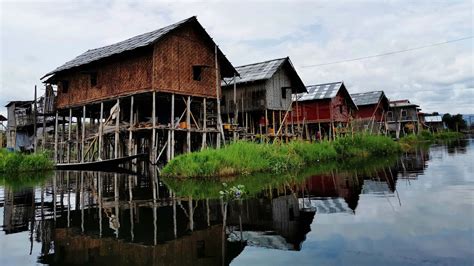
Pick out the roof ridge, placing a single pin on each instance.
(266, 61)
(325, 83)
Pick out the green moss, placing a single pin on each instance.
(248, 157)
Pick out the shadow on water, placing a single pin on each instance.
(74, 217)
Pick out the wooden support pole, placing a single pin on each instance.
(56, 138)
(69, 128)
(153, 131)
(116, 136)
(35, 131)
(101, 130)
(172, 126)
(63, 131)
(204, 124)
(188, 124)
(78, 154)
(236, 109)
(83, 125)
(43, 143)
(218, 99)
(130, 133)
(273, 122)
(266, 121)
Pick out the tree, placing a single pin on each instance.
(454, 122)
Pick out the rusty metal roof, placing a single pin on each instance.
(142, 40)
(367, 98)
(265, 70)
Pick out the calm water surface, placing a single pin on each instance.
(413, 210)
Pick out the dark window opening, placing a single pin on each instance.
(201, 248)
(340, 109)
(197, 73)
(291, 213)
(64, 86)
(223, 101)
(93, 79)
(283, 93)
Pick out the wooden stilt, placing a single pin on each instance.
(204, 124)
(172, 126)
(153, 133)
(83, 126)
(218, 99)
(63, 148)
(236, 109)
(35, 131)
(56, 138)
(116, 136)
(273, 122)
(188, 124)
(69, 127)
(130, 133)
(266, 121)
(101, 131)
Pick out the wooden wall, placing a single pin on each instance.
(275, 100)
(166, 67)
(129, 75)
(173, 60)
(367, 111)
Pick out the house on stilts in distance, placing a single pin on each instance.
(257, 101)
(372, 108)
(402, 118)
(326, 108)
(157, 93)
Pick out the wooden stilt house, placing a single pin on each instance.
(372, 110)
(156, 93)
(325, 111)
(260, 98)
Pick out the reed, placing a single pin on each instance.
(14, 162)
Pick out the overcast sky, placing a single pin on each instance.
(38, 36)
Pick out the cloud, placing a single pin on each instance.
(36, 37)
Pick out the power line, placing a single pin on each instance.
(390, 53)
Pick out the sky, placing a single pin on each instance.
(38, 36)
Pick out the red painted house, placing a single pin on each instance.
(326, 108)
(372, 108)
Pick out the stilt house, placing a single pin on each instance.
(402, 118)
(326, 108)
(156, 93)
(261, 96)
(372, 109)
(20, 125)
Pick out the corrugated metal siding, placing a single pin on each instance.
(253, 96)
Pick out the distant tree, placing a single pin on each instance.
(454, 122)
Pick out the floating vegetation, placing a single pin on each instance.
(247, 157)
(15, 162)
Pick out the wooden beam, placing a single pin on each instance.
(153, 133)
(116, 135)
(188, 124)
(172, 126)
(69, 128)
(35, 131)
(130, 133)
(56, 138)
(204, 124)
(219, 118)
(83, 131)
(101, 130)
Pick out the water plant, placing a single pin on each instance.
(13, 162)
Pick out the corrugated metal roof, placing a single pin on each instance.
(256, 71)
(402, 103)
(120, 47)
(367, 98)
(433, 119)
(320, 91)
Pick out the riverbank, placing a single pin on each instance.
(15, 162)
(428, 137)
(243, 158)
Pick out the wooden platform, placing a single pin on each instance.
(98, 164)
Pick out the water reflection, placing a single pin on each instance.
(122, 218)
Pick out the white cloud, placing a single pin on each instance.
(36, 37)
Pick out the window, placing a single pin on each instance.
(93, 77)
(340, 109)
(404, 113)
(197, 73)
(283, 93)
(64, 86)
(223, 101)
(390, 115)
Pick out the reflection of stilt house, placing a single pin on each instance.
(261, 97)
(18, 210)
(402, 118)
(327, 108)
(155, 93)
(372, 108)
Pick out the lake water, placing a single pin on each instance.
(414, 210)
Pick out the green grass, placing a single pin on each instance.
(248, 157)
(15, 162)
(427, 136)
(208, 188)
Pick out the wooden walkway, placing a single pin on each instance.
(98, 164)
